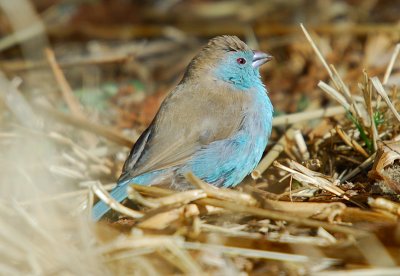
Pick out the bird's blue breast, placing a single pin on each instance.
(225, 163)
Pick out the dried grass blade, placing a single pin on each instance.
(359, 148)
(301, 144)
(368, 162)
(192, 268)
(391, 64)
(69, 97)
(251, 253)
(334, 94)
(271, 214)
(161, 219)
(308, 115)
(381, 91)
(225, 194)
(17, 104)
(385, 204)
(346, 92)
(99, 190)
(307, 176)
(271, 156)
(172, 244)
(317, 52)
(175, 198)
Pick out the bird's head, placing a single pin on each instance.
(228, 59)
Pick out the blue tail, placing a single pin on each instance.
(100, 208)
(119, 192)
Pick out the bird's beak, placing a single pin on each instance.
(260, 58)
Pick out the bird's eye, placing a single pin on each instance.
(241, 61)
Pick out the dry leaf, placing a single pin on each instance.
(386, 155)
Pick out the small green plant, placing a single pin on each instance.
(363, 133)
(379, 118)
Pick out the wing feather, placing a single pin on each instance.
(187, 120)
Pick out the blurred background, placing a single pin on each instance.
(121, 57)
(81, 79)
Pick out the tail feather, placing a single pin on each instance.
(119, 193)
(100, 208)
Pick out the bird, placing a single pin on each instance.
(215, 123)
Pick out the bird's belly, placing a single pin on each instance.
(225, 163)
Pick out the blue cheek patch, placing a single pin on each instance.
(241, 76)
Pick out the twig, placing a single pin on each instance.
(259, 212)
(229, 231)
(180, 197)
(307, 176)
(346, 92)
(72, 102)
(301, 144)
(251, 253)
(69, 97)
(282, 216)
(350, 142)
(163, 217)
(343, 87)
(359, 148)
(363, 166)
(391, 64)
(274, 152)
(319, 55)
(225, 194)
(308, 115)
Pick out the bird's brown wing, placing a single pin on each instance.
(186, 121)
